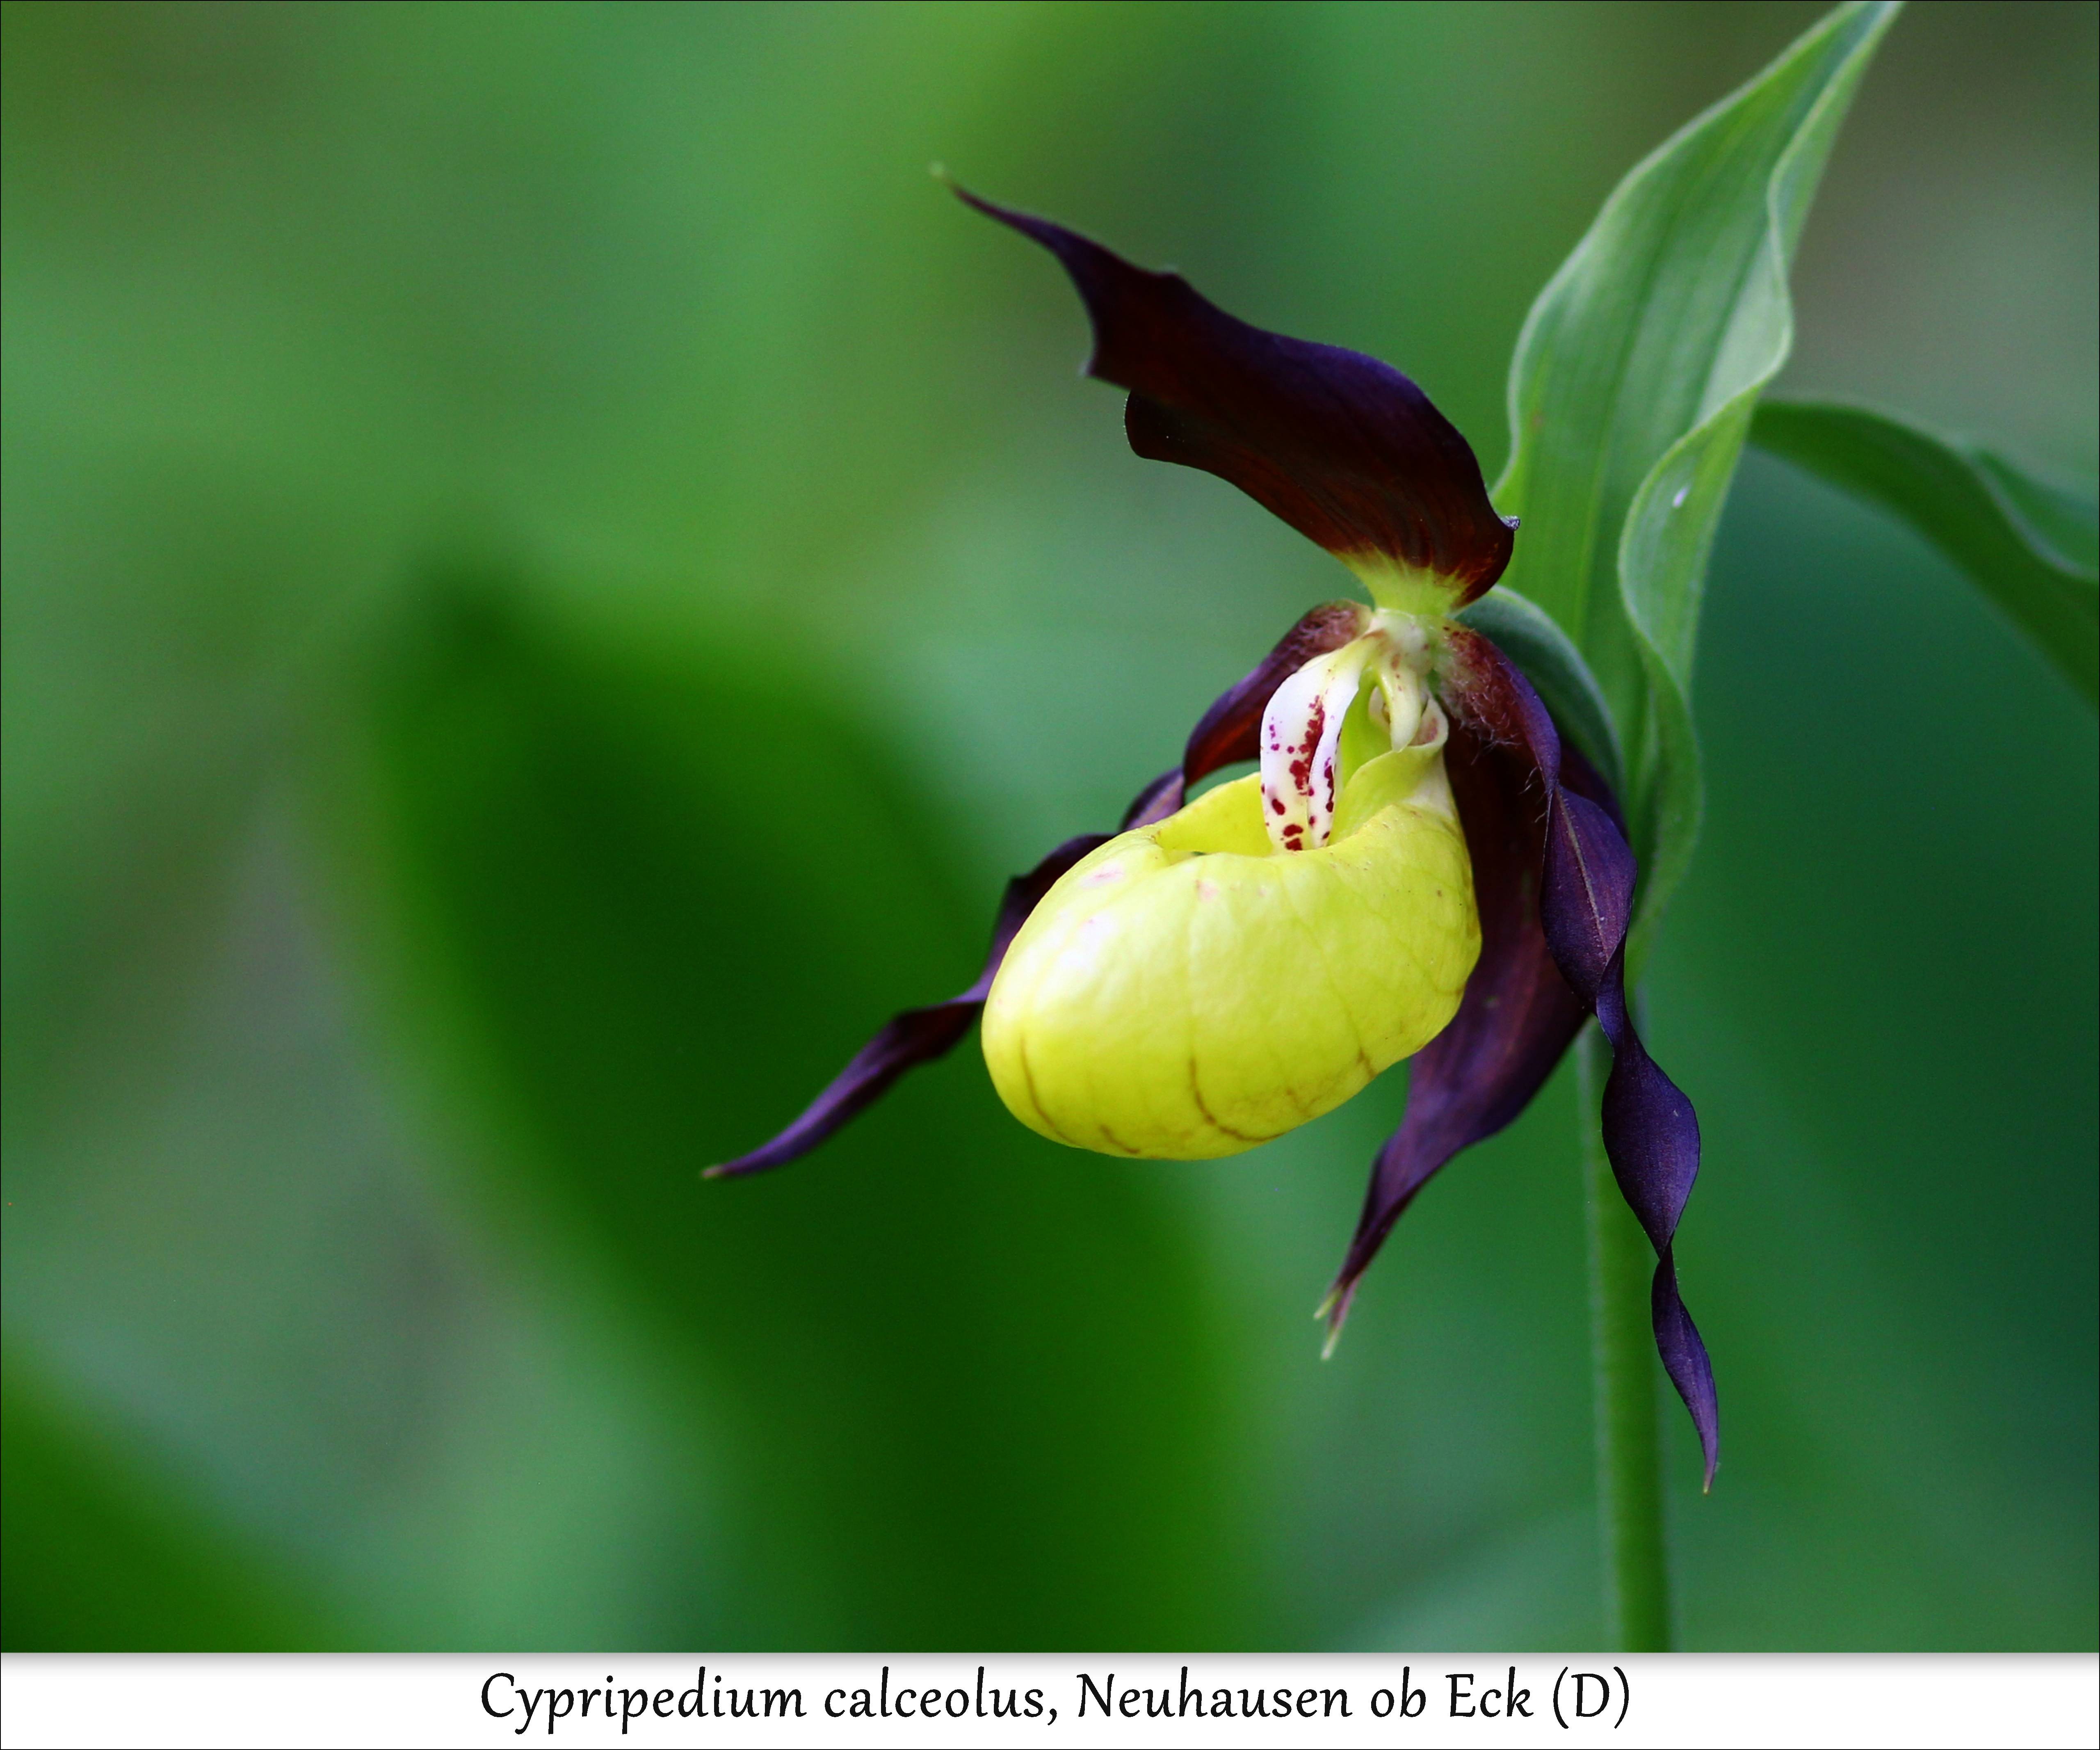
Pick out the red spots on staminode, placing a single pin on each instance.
(1276, 804)
(1301, 767)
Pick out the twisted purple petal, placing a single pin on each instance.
(1535, 814)
(1586, 902)
(1345, 449)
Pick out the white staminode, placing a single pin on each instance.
(1301, 730)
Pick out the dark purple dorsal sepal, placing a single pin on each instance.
(1584, 903)
(1344, 448)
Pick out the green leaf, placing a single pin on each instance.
(1631, 393)
(1526, 633)
(2029, 544)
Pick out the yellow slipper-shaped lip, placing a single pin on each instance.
(1187, 990)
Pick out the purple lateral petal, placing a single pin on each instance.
(1586, 902)
(1518, 1017)
(1650, 1130)
(917, 1035)
(1342, 447)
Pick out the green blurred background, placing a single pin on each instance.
(550, 572)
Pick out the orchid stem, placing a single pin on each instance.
(1629, 1506)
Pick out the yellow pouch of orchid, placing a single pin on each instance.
(1190, 990)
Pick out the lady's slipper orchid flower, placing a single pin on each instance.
(1420, 867)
